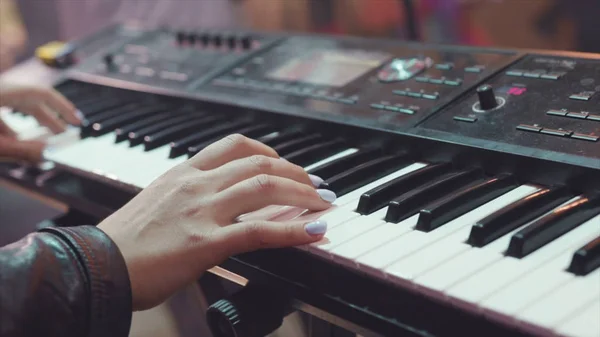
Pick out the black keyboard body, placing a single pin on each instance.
(540, 123)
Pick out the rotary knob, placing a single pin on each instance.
(254, 311)
(487, 97)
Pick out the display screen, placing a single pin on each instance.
(329, 68)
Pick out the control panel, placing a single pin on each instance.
(175, 59)
(388, 83)
(544, 102)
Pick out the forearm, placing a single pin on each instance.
(64, 282)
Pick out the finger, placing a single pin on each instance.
(264, 190)
(57, 102)
(227, 149)
(30, 151)
(250, 236)
(26, 98)
(239, 170)
(46, 117)
(6, 130)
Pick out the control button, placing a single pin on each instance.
(437, 80)
(553, 112)
(181, 37)
(217, 40)
(109, 60)
(475, 69)
(414, 94)
(174, 76)
(582, 136)
(554, 132)
(455, 82)
(515, 72)
(444, 66)
(433, 96)
(400, 92)
(144, 71)
(580, 115)
(346, 101)
(424, 79)
(246, 42)
(231, 41)
(392, 108)
(487, 98)
(583, 96)
(594, 117)
(465, 119)
(530, 128)
(403, 69)
(534, 74)
(239, 71)
(553, 75)
(377, 106)
(407, 111)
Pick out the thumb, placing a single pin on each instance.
(30, 151)
(249, 236)
(6, 130)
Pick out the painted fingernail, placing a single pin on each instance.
(316, 227)
(316, 181)
(327, 195)
(79, 114)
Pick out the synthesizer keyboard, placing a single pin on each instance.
(467, 179)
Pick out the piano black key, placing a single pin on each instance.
(99, 107)
(440, 212)
(341, 164)
(182, 146)
(298, 143)
(586, 259)
(316, 152)
(515, 215)
(380, 196)
(283, 136)
(552, 225)
(123, 132)
(250, 132)
(165, 136)
(137, 137)
(409, 203)
(109, 125)
(365, 173)
(87, 124)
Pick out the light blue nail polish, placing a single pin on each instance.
(316, 181)
(316, 227)
(327, 195)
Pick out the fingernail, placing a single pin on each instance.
(79, 114)
(283, 159)
(316, 181)
(316, 227)
(327, 195)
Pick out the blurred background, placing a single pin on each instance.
(544, 24)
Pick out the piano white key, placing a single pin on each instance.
(484, 283)
(584, 324)
(90, 154)
(530, 286)
(444, 276)
(342, 233)
(349, 251)
(446, 241)
(336, 156)
(563, 303)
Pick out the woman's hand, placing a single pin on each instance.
(48, 106)
(185, 222)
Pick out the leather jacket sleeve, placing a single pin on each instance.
(69, 281)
